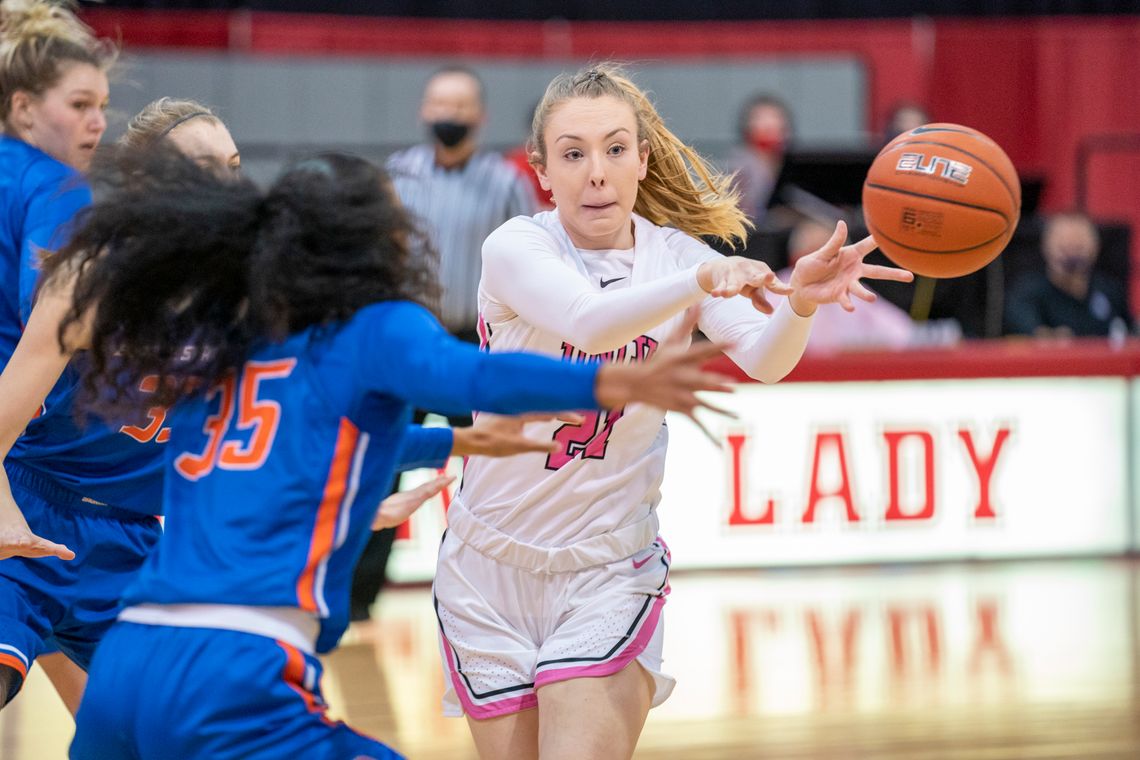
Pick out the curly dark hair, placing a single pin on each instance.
(180, 271)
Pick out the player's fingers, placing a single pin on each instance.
(860, 291)
(845, 301)
(432, 487)
(688, 402)
(574, 418)
(728, 287)
(701, 352)
(714, 381)
(760, 303)
(775, 285)
(52, 549)
(548, 417)
(39, 549)
(534, 417)
(399, 506)
(685, 329)
(705, 404)
(831, 248)
(680, 392)
(701, 426)
(757, 274)
(877, 272)
(864, 246)
(523, 445)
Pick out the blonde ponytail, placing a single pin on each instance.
(680, 188)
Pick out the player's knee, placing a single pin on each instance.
(10, 682)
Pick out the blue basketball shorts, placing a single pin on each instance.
(51, 604)
(159, 691)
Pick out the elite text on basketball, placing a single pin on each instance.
(917, 163)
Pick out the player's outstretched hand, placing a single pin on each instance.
(737, 276)
(495, 435)
(832, 274)
(669, 380)
(17, 540)
(400, 506)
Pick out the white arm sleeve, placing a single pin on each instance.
(523, 271)
(766, 348)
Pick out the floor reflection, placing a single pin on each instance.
(994, 660)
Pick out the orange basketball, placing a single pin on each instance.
(942, 200)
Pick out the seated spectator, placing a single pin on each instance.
(1070, 297)
(903, 117)
(765, 130)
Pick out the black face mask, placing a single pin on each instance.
(450, 133)
(1072, 265)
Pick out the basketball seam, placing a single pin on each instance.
(916, 194)
(877, 234)
(977, 158)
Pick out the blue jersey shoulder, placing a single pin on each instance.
(120, 465)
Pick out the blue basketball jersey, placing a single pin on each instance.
(275, 473)
(120, 465)
(39, 197)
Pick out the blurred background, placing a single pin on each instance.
(1054, 83)
(923, 543)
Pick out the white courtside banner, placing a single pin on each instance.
(823, 473)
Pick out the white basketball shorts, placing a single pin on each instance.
(507, 631)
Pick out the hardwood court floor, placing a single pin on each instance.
(1034, 660)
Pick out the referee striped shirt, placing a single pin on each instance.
(459, 208)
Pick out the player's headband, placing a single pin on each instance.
(170, 127)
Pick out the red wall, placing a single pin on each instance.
(1036, 85)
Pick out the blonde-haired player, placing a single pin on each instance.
(551, 576)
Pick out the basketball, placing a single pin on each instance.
(942, 200)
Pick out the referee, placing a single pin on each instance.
(460, 194)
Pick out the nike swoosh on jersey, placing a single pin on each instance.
(604, 283)
(638, 565)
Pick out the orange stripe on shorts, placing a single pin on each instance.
(15, 663)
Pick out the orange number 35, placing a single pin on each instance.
(260, 416)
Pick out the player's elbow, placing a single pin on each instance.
(770, 366)
(768, 375)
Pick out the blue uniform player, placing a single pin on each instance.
(305, 360)
(53, 89)
(66, 476)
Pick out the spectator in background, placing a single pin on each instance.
(765, 129)
(520, 158)
(875, 325)
(459, 193)
(903, 117)
(1069, 298)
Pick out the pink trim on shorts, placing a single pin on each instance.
(611, 666)
(505, 706)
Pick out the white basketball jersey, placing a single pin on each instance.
(610, 473)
